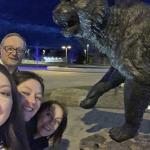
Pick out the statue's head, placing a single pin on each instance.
(76, 16)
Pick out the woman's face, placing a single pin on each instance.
(5, 98)
(31, 92)
(49, 120)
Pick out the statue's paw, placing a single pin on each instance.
(88, 103)
(123, 133)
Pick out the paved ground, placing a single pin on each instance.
(60, 79)
(83, 123)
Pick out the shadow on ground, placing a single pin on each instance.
(64, 145)
(83, 123)
(100, 119)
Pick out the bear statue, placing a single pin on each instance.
(122, 32)
(112, 79)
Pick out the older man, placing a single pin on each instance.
(12, 49)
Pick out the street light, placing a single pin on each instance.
(85, 56)
(66, 48)
(43, 52)
(87, 52)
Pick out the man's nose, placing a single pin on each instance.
(14, 52)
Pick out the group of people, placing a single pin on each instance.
(26, 121)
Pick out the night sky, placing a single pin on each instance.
(33, 20)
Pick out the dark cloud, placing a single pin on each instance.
(35, 11)
(33, 20)
(6, 24)
(42, 35)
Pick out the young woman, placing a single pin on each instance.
(11, 122)
(47, 126)
(31, 88)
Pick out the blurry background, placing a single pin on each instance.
(33, 20)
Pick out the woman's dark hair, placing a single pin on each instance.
(22, 76)
(57, 135)
(12, 132)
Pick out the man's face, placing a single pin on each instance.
(12, 51)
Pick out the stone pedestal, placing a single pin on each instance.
(102, 141)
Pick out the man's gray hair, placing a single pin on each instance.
(13, 34)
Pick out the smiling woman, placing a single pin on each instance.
(10, 116)
(47, 126)
(31, 88)
(6, 99)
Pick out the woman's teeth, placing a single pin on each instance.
(47, 128)
(28, 109)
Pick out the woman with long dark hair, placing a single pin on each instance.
(31, 89)
(47, 126)
(12, 127)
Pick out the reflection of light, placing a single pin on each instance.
(27, 51)
(87, 51)
(43, 51)
(53, 59)
(87, 45)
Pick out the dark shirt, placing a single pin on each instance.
(35, 144)
(38, 144)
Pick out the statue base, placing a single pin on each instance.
(102, 141)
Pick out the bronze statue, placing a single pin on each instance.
(110, 80)
(122, 32)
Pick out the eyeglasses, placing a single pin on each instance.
(10, 49)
